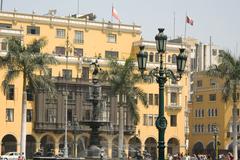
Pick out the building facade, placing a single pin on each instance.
(209, 111)
(88, 40)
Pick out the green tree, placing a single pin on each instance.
(26, 62)
(229, 70)
(123, 82)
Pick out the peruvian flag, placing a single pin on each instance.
(189, 20)
(115, 14)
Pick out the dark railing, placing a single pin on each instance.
(47, 126)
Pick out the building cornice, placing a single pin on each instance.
(35, 19)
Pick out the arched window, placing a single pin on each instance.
(212, 112)
(202, 112)
(174, 59)
(209, 112)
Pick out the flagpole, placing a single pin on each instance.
(185, 28)
(174, 25)
(210, 50)
(112, 14)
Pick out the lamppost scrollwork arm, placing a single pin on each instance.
(169, 74)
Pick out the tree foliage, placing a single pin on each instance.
(27, 61)
(123, 82)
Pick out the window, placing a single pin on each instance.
(71, 95)
(10, 92)
(111, 54)
(150, 99)
(199, 83)
(85, 73)
(195, 128)
(3, 46)
(29, 94)
(67, 74)
(51, 115)
(173, 97)
(156, 57)
(150, 120)
(199, 98)
(213, 82)
(78, 37)
(173, 120)
(202, 128)
(60, 50)
(196, 113)
(209, 112)
(216, 112)
(174, 59)
(151, 57)
(9, 115)
(112, 38)
(238, 112)
(60, 33)
(156, 99)
(69, 115)
(209, 127)
(169, 58)
(29, 115)
(49, 72)
(212, 97)
(5, 25)
(33, 30)
(202, 113)
(78, 52)
(145, 120)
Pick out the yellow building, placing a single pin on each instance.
(208, 111)
(88, 40)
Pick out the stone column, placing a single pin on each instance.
(110, 148)
(38, 145)
(56, 148)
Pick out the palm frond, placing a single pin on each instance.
(41, 82)
(36, 45)
(10, 76)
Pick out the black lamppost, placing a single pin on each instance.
(215, 134)
(162, 74)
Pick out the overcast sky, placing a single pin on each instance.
(216, 18)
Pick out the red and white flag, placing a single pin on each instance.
(115, 14)
(189, 20)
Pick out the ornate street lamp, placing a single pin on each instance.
(162, 74)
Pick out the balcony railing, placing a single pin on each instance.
(173, 106)
(59, 127)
